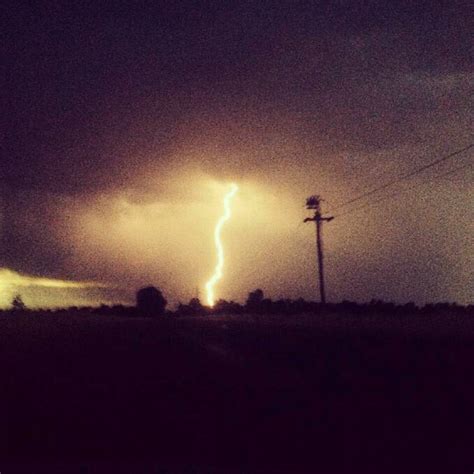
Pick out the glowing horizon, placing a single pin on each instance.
(13, 278)
(219, 247)
(13, 283)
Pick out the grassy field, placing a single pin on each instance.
(88, 393)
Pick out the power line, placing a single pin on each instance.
(405, 176)
(384, 198)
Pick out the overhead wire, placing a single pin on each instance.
(404, 176)
(384, 198)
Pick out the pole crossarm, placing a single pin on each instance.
(313, 219)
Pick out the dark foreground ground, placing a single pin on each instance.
(93, 394)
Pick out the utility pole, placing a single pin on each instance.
(314, 203)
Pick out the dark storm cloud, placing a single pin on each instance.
(100, 95)
(30, 241)
(89, 87)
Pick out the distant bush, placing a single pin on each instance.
(254, 301)
(151, 302)
(18, 304)
(193, 308)
(227, 307)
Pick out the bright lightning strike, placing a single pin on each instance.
(220, 249)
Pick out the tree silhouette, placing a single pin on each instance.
(254, 300)
(151, 302)
(18, 304)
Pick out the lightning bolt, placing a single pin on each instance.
(219, 248)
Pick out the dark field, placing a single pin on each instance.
(236, 394)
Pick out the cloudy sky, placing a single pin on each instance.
(125, 122)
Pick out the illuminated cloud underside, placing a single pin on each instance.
(12, 282)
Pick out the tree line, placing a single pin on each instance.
(150, 302)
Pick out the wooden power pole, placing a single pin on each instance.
(314, 203)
